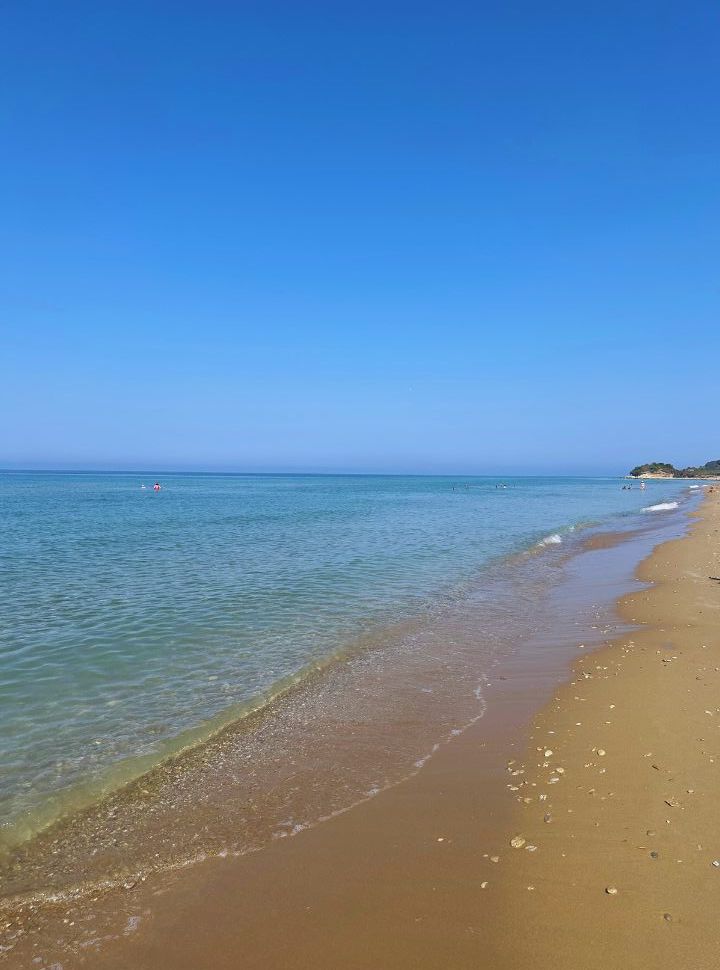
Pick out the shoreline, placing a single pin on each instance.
(74, 757)
(628, 857)
(95, 812)
(420, 901)
(467, 779)
(83, 798)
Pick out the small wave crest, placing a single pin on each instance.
(661, 507)
(551, 540)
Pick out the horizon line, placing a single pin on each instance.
(375, 474)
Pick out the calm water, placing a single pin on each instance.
(129, 617)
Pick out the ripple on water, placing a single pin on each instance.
(128, 618)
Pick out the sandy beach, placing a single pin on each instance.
(620, 786)
(582, 835)
(623, 800)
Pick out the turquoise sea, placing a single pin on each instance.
(130, 619)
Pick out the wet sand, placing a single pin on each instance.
(410, 878)
(605, 540)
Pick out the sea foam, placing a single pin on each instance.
(553, 540)
(661, 507)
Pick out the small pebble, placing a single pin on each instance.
(517, 842)
(547, 818)
(654, 855)
(716, 863)
(601, 752)
(494, 858)
(667, 917)
(611, 891)
(483, 885)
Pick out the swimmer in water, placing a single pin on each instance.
(157, 486)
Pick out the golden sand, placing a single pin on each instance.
(625, 811)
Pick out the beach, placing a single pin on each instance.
(611, 803)
(426, 874)
(627, 755)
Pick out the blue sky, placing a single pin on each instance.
(462, 237)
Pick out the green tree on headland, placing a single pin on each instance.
(709, 470)
(654, 468)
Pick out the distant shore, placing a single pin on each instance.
(665, 477)
(665, 469)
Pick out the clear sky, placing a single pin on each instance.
(382, 236)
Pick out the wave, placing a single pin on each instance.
(661, 507)
(551, 540)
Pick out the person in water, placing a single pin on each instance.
(157, 486)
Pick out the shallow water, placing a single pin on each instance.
(133, 623)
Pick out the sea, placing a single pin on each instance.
(243, 655)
